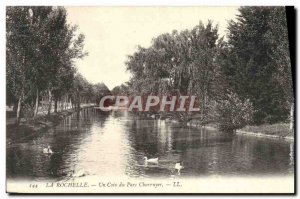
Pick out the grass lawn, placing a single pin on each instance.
(280, 129)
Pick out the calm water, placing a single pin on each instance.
(114, 144)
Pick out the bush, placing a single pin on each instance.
(233, 113)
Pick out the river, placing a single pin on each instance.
(115, 144)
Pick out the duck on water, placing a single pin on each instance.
(178, 167)
(47, 150)
(151, 160)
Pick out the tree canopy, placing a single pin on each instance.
(248, 71)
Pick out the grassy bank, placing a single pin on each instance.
(30, 127)
(278, 130)
(197, 123)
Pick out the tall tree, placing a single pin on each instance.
(59, 50)
(255, 58)
(20, 51)
(41, 49)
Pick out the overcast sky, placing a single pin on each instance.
(112, 33)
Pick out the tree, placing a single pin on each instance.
(233, 113)
(255, 61)
(178, 64)
(38, 17)
(59, 50)
(185, 60)
(100, 90)
(277, 37)
(79, 89)
(19, 54)
(41, 49)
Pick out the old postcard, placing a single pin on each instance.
(149, 100)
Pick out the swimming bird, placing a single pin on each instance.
(178, 167)
(151, 160)
(47, 150)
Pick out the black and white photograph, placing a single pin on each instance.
(150, 100)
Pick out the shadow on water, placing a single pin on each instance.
(115, 144)
(26, 160)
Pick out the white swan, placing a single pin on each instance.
(178, 167)
(47, 150)
(151, 160)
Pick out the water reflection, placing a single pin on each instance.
(115, 144)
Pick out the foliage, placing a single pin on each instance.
(278, 129)
(180, 63)
(40, 53)
(233, 113)
(250, 70)
(122, 89)
(256, 63)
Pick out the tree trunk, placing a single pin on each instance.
(15, 106)
(292, 117)
(66, 105)
(59, 105)
(70, 104)
(55, 105)
(19, 110)
(65, 102)
(78, 102)
(50, 102)
(36, 103)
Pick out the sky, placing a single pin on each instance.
(113, 33)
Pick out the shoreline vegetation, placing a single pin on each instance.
(241, 79)
(42, 123)
(275, 131)
(41, 74)
(278, 130)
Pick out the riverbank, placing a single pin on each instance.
(31, 126)
(277, 131)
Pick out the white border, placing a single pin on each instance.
(4, 3)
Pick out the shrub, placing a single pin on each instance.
(233, 113)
